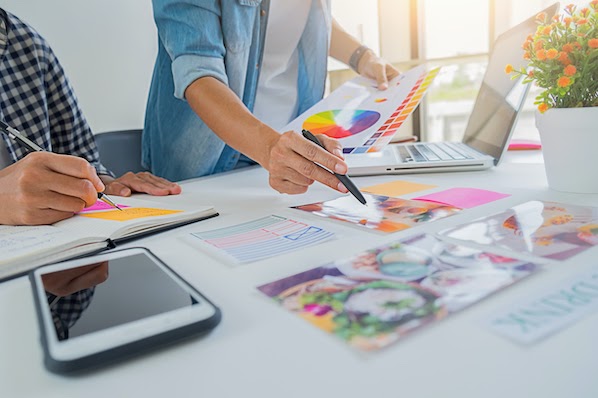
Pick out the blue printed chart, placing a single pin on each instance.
(260, 239)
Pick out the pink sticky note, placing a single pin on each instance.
(99, 205)
(517, 144)
(464, 198)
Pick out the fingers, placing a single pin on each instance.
(64, 283)
(332, 146)
(380, 75)
(142, 182)
(391, 72)
(69, 165)
(295, 164)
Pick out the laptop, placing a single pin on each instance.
(488, 129)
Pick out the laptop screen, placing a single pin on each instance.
(499, 100)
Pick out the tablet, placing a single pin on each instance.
(101, 309)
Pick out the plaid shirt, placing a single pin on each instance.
(37, 99)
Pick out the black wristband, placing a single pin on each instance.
(356, 56)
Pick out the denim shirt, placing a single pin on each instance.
(223, 39)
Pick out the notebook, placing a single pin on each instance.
(488, 130)
(97, 228)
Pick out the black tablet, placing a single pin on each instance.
(101, 309)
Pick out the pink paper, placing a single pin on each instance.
(464, 198)
(99, 205)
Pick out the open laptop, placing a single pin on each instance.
(488, 130)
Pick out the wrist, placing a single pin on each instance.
(357, 57)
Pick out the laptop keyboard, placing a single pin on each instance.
(433, 152)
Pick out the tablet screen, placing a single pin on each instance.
(98, 296)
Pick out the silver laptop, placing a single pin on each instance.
(489, 127)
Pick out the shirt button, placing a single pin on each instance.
(257, 66)
(263, 13)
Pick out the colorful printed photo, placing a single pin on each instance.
(381, 295)
(382, 213)
(546, 229)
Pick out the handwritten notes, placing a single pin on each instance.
(548, 312)
(463, 198)
(131, 213)
(397, 188)
(262, 238)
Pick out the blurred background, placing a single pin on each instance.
(108, 48)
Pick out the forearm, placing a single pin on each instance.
(342, 44)
(229, 118)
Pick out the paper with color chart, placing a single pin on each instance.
(549, 311)
(363, 118)
(381, 295)
(397, 188)
(546, 229)
(381, 213)
(464, 198)
(260, 239)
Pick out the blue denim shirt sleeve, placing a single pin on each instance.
(195, 51)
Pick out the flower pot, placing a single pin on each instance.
(570, 146)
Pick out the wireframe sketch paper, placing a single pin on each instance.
(384, 294)
(260, 239)
(363, 118)
(98, 227)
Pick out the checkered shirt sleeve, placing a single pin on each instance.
(67, 310)
(37, 99)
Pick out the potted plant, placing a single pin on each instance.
(562, 59)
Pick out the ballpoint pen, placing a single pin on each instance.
(342, 177)
(32, 146)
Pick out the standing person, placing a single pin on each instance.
(37, 99)
(230, 73)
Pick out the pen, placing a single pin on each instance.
(32, 146)
(342, 177)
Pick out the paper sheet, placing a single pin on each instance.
(131, 213)
(463, 198)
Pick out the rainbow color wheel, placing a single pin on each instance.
(341, 123)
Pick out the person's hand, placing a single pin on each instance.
(44, 187)
(374, 67)
(143, 182)
(292, 163)
(69, 281)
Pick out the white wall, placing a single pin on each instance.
(107, 48)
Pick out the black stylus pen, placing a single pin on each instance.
(342, 177)
(32, 146)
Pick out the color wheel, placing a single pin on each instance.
(341, 123)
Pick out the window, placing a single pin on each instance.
(456, 35)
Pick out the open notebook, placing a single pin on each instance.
(96, 228)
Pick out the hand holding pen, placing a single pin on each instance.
(43, 187)
(342, 177)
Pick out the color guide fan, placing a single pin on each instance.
(341, 123)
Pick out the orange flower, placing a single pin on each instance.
(531, 73)
(541, 17)
(564, 58)
(585, 12)
(552, 53)
(539, 44)
(509, 69)
(563, 82)
(568, 21)
(594, 4)
(527, 55)
(570, 8)
(568, 47)
(541, 55)
(570, 70)
(582, 21)
(593, 43)
(546, 31)
(543, 107)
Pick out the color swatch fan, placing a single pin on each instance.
(363, 118)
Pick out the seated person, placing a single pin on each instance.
(37, 99)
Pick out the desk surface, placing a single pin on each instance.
(260, 350)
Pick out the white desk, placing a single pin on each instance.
(260, 350)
